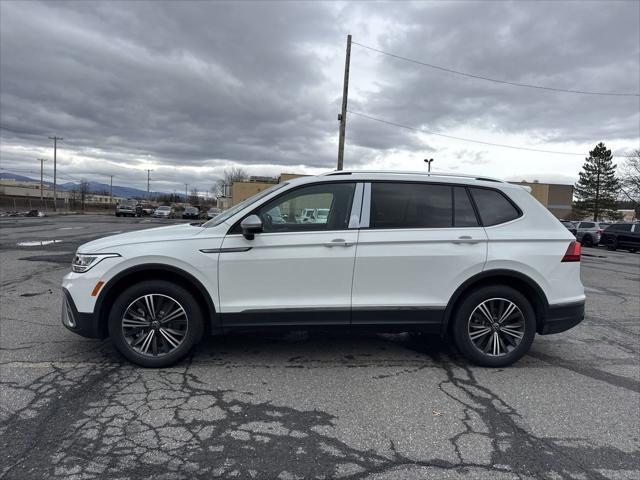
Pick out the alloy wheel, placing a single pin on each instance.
(154, 325)
(496, 327)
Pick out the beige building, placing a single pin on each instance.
(239, 191)
(556, 197)
(13, 188)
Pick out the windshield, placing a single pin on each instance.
(224, 216)
(163, 208)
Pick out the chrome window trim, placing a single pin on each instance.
(366, 206)
(356, 207)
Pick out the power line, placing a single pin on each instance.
(495, 80)
(422, 130)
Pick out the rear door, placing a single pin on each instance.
(418, 243)
(299, 270)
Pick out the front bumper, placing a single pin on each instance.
(84, 324)
(563, 317)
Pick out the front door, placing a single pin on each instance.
(299, 270)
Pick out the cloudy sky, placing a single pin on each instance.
(189, 88)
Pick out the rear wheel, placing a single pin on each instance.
(155, 323)
(612, 244)
(494, 326)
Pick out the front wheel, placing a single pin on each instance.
(612, 244)
(155, 323)
(494, 326)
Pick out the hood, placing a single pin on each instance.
(160, 234)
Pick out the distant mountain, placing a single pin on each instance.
(94, 187)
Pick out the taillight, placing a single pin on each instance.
(600, 231)
(573, 252)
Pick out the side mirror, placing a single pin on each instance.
(250, 226)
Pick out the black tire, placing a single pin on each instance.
(117, 214)
(193, 320)
(587, 241)
(612, 244)
(633, 250)
(462, 326)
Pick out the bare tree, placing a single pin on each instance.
(230, 175)
(194, 198)
(630, 176)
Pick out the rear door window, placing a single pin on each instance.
(493, 206)
(410, 205)
(587, 225)
(463, 213)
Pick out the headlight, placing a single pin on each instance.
(84, 261)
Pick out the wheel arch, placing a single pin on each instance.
(521, 282)
(152, 271)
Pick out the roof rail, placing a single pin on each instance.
(426, 174)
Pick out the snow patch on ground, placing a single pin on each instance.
(38, 243)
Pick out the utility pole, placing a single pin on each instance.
(428, 162)
(186, 188)
(148, 176)
(55, 150)
(42, 160)
(343, 114)
(111, 190)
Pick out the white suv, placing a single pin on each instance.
(479, 259)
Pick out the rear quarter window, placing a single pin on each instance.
(493, 206)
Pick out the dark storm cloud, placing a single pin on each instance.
(592, 46)
(195, 84)
(182, 82)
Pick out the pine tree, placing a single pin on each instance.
(597, 188)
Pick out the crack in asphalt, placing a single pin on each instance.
(112, 419)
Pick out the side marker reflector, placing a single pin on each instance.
(97, 288)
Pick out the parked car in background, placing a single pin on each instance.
(479, 260)
(148, 209)
(164, 211)
(569, 226)
(191, 212)
(128, 208)
(622, 235)
(589, 233)
(213, 212)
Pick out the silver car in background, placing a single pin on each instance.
(164, 211)
(213, 212)
(589, 233)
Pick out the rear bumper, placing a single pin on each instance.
(563, 317)
(84, 324)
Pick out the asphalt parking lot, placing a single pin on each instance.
(303, 405)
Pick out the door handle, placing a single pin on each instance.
(338, 242)
(465, 239)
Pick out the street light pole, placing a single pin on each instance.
(55, 151)
(42, 160)
(428, 162)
